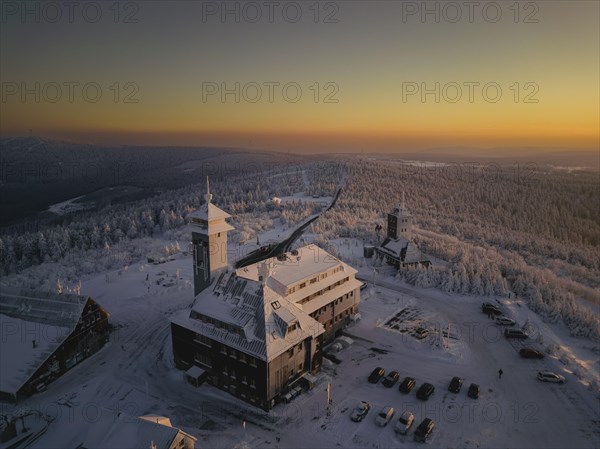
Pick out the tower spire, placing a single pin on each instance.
(403, 204)
(208, 196)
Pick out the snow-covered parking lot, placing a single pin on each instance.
(514, 411)
(135, 373)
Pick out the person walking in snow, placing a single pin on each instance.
(500, 374)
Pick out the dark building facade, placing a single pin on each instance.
(51, 332)
(258, 332)
(398, 249)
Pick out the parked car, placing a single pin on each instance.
(424, 430)
(473, 391)
(549, 376)
(455, 384)
(407, 385)
(385, 416)
(391, 379)
(489, 308)
(361, 410)
(376, 375)
(515, 333)
(529, 353)
(292, 394)
(404, 423)
(425, 391)
(505, 321)
(421, 333)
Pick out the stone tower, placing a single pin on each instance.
(209, 240)
(400, 222)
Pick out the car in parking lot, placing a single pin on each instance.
(420, 333)
(424, 430)
(513, 332)
(530, 353)
(455, 384)
(385, 416)
(407, 385)
(360, 411)
(549, 376)
(473, 391)
(404, 423)
(376, 375)
(425, 391)
(391, 379)
(489, 308)
(292, 394)
(505, 321)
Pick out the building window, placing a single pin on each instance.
(223, 349)
(302, 285)
(232, 374)
(252, 361)
(203, 360)
(244, 380)
(252, 383)
(275, 305)
(300, 366)
(203, 340)
(242, 357)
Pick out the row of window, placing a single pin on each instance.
(294, 349)
(338, 317)
(217, 323)
(323, 291)
(228, 371)
(226, 350)
(238, 355)
(332, 304)
(313, 280)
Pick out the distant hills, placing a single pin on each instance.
(37, 173)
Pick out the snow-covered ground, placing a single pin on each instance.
(134, 373)
(69, 206)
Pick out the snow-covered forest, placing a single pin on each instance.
(491, 230)
(522, 229)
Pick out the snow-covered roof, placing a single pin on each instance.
(44, 307)
(195, 372)
(248, 316)
(19, 360)
(330, 295)
(253, 316)
(395, 246)
(210, 212)
(210, 219)
(318, 286)
(159, 419)
(402, 249)
(310, 260)
(48, 318)
(111, 429)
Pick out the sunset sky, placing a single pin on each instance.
(367, 59)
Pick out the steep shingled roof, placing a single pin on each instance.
(247, 316)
